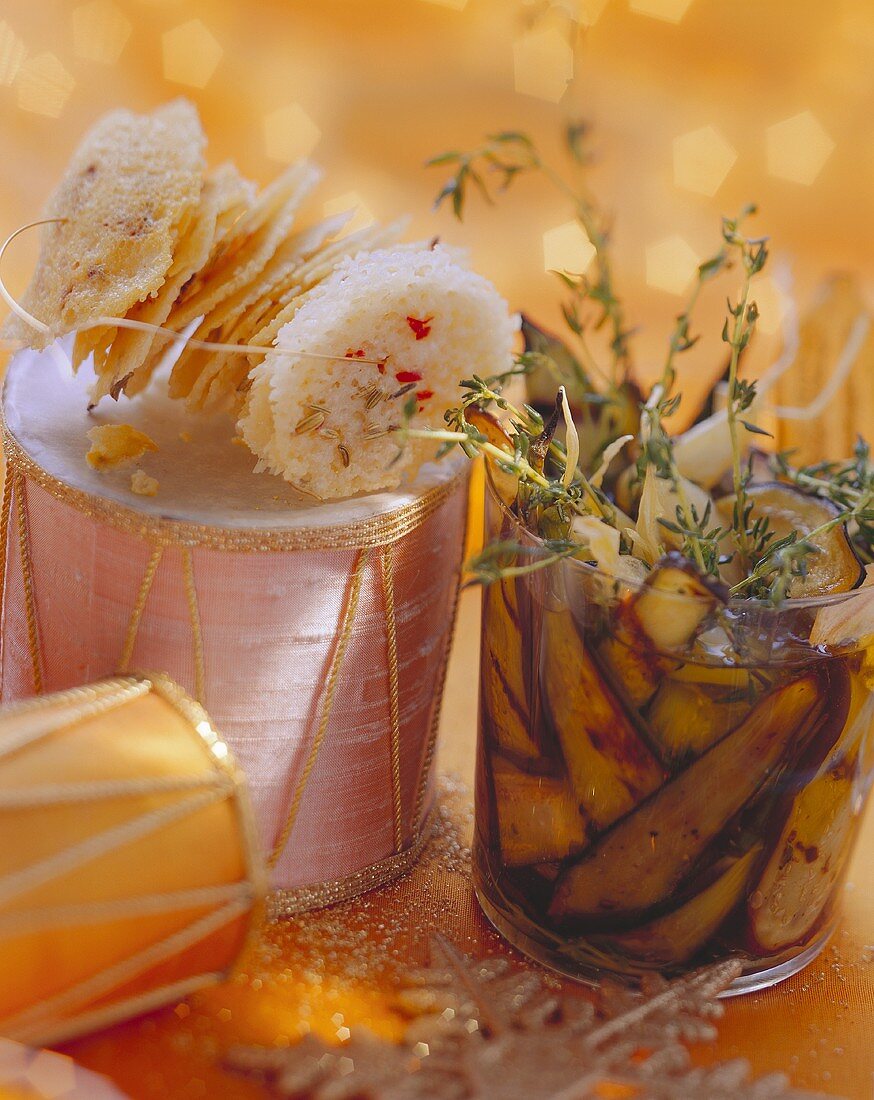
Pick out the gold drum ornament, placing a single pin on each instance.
(129, 868)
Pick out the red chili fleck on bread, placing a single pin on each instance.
(420, 328)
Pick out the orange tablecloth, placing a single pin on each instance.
(311, 971)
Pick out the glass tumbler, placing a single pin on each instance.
(665, 780)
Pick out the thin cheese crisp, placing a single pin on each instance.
(130, 188)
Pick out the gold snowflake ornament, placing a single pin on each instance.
(488, 1030)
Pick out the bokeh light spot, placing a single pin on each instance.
(797, 148)
(100, 31)
(290, 133)
(543, 64)
(702, 160)
(14, 1060)
(191, 54)
(567, 248)
(44, 85)
(52, 1075)
(12, 53)
(670, 11)
(350, 200)
(671, 264)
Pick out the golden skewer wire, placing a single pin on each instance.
(144, 326)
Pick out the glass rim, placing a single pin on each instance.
(827, 599)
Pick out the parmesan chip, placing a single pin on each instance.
(126, 366)
(288, 259)
(223, 323)
(128, 188)
(89, 340)
(220, 375)
(248, 246)
(319, 268)
(213, 379)
(263, 321)
(224, 387)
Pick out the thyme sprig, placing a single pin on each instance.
(496, 561)
(680, 339)
(849, 486)
(737, 332)
(701, 542)
(699, 536)
(525, 421)
(506, 155)
(787, 558)
(547, 500)
(786, 561)
(551, 488)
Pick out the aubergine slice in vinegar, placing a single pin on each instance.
(610, 765)
(812, 838)
(807, 861)
(538, 819)
(685, 719)
(675, 937)
(642, 859)
(502, 676)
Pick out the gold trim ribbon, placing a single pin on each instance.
(160, 530)
(299, 899)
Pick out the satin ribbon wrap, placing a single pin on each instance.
(129, 867)
(316, 635)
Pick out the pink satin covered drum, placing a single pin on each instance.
(316, 635)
